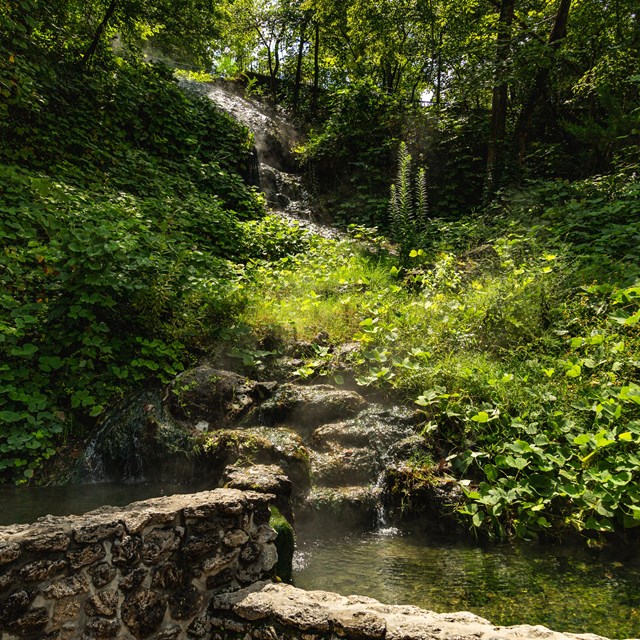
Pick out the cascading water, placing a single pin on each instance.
(275, 138)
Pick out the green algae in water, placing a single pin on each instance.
(565, 588)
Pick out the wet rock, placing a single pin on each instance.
(355, 505)
(420, 490)
(137, 441)
(342, 467)
(102, 574)
(307, 407)
(376, 427)
(263, 446)
(143, 612)
(104, 604)
(213, 396)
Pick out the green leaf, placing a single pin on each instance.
(574, 371)
(491, 471)
(481, 416)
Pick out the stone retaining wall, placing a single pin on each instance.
(148, 570)
(281, 612)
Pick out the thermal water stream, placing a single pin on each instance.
(566, 588)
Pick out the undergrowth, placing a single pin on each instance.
(124, 223)
(515, 334)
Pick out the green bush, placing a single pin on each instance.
(121, 234)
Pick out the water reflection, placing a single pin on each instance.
(25, 504)
(565, 588)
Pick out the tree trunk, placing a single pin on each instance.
(558, 33)
(274, 73)
(439, 71)
(111, 9)
(500, 97)
(316, 68)
(298, 80)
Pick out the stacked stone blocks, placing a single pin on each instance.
(146, 570)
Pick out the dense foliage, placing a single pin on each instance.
(122, 206)
(490, 149)
(525, 371)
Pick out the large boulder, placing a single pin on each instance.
(209, 398)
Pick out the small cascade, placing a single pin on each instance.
(383, 526)
(275, 166)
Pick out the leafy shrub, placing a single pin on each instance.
(118, 230)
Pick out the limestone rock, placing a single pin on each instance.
(103, 627)
(235, 538)
(143, 612)
(86, 555)
(159, 545)
(185, 603)
(307, 407)
(126, 551)
(41, 570)
(265, 479)
(273, 607)
(133, 579)
(102, 574)
(215, 397)
(104, 603)
(31, 622)
(9, 551)
(67, 587)
(43, 539)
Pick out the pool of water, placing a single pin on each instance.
(564, 588)
(25, 504)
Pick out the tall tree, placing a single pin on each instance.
(539, 84)
(497, 129)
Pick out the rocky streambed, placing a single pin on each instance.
(318, 448)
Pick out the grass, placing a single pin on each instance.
(497, 333)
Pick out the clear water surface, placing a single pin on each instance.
(566, 588)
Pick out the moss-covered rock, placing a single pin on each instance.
(285, 544)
